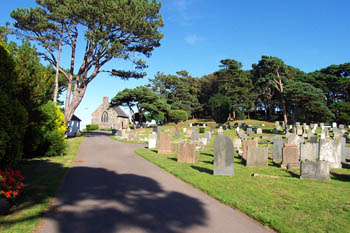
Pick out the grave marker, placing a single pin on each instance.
(223, 156)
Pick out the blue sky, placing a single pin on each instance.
(307, 34)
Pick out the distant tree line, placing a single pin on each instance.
(271, 91)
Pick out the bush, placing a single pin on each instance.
(13, 116)
(52, 131)
(220, 107)
(178, 115)
(201, 130)
(92, 127)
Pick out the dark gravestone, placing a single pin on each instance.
(223, 156)
(159, 129)
(313, 139)
(318, 170)
(207, 136)
(277, 148)
(257, 156)
(177, 133)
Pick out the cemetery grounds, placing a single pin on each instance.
(283, 201)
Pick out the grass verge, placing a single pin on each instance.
(286, 204)
(42, 177)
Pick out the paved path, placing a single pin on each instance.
(110, 189)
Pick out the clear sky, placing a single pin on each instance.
(307, 34)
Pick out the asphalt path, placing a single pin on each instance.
(110, 189)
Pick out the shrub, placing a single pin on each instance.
(220, 107)
(201, 130)
(13, 116)
(52, 131)
(178, 115)
(92, 127)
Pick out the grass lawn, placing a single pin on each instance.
(42, 178)
(287, 204)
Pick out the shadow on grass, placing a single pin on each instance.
(207, 154)
(208, 162)
(340, 177)
(274, 164)
(202, 169)
(174, 159)
(293, 174)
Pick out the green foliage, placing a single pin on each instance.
(180, 91)
(343, 112)
(201, 130)
(92, 127)
(220, 106)
(145, 100)
(51, 129)
(235, 84)
(307, 103)
(178, 115)
(13, 116)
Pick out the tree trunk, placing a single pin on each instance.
(55, 93)
(72, 106)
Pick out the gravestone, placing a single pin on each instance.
(323, 135)
(228, 126)
(258, 131)
(152, 141)
(277, 125)
(256, 125)
(195, 136)
(277, 148)
(220, 130)
(193, 129)
(330, 150)
(308, 151)
(177, 133)
(247, 143)
(223, 156)
(318, 170)
(165, 144)
(250, 132)
(159, 129)
(207, 135)
(257, 156)
(184, 130)
(290, 157)
(295, 139)
(190, 124)
(322, 126)
(187, 153)
(299, 130)
(313, 139)
(334, 125)
(343, 149)
(203, 141)
(189, 132)
(237, 130)
(237, 143)
(341, 126)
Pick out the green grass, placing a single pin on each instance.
(286, 204)
(42, 178)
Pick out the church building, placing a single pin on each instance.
(110, 117)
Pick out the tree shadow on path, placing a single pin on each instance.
(97, 200)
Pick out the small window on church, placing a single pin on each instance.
(104, 117)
